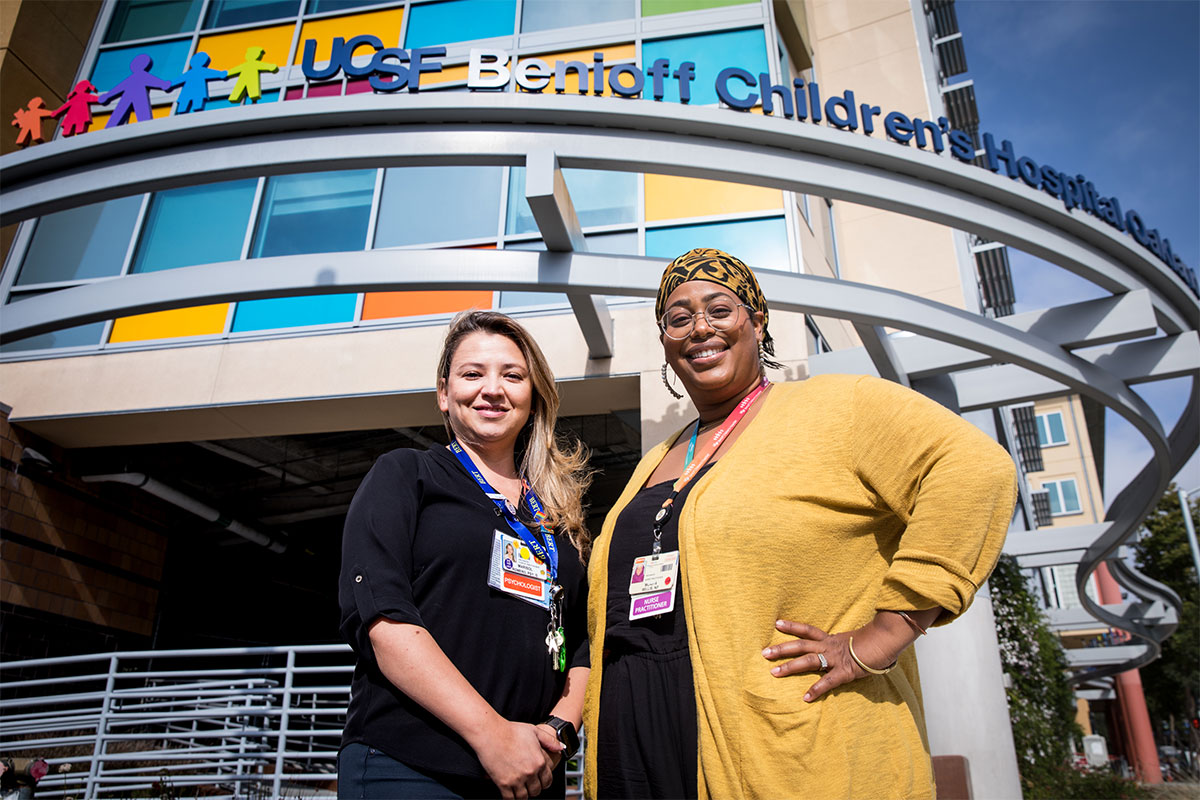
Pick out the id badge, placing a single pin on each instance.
(515, 570)
(652, 585)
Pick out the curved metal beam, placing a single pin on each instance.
(572, 273)
(594, 133)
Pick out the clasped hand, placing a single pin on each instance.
(871, 644)
(520, 758)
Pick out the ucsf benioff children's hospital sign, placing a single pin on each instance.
(392, 69)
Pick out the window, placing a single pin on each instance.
(141, 19)
(653, 7)
(459, 21)
(542, 15)
(761, 243)
(324, 212)
(438, 204)
(1050, 429)
(319, 6)
(711, 52)
(600, 197)
(1064, 496)
(81, 243)
(243, 12)
(79, 336)
(802, 202)
(625, 243)
(195, 225)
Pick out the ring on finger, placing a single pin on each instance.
(824, 662)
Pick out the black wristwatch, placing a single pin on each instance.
(566, 734)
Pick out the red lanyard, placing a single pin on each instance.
(707, 451)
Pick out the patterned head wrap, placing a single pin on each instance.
(716, 266)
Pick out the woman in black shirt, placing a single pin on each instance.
(463, 592)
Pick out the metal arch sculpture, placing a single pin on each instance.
(608, 134)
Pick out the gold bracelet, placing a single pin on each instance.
(871, 670)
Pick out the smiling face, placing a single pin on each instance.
(488, 395)
(714, 365)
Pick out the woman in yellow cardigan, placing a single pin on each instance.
(755, 589)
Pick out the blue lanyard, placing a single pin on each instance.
(547, 552)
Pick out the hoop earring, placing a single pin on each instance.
(667, 383)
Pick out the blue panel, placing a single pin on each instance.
(711, 53)
(195, 225)
(600, 197)
(79, 336)
(325, 212)
(142, 19)
(459, 21)
(415, 201)
(268, 96)
(761, 243)
(85, 242)
(242, 12)
(292, 312)
(112, 66)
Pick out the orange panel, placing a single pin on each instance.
(673, 197)
(228, 50)
(384, 305)
(387, 305)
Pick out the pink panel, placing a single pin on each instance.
(358, 86)
(294, 93)
(333, 89)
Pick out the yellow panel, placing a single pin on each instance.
(670, 197)
(384, 24)
(620, 52)
(100, 120)
(195, 321)
(228, 50)
(447, 75)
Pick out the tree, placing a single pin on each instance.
(1172, 681)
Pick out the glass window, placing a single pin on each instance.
(79, 336)
(831, 243)
(459, 21)
(542, 15)
(1064, 496)
(438, 204)
(324, 212)
(293, 312)
(761, 243)
(711, 53)
(81, 243)
(600, 197)
(195, 225)
(141, 19)
(1050, 429)
(319, 6)
(623, 243)
(653, 7)
(243, 12)
(112, 66)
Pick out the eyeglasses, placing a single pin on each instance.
(720, 315)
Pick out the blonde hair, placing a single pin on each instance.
(557, 470)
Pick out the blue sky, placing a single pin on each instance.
(1110, 89)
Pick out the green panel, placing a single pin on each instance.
(652, 7)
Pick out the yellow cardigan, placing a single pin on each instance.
(846, 494)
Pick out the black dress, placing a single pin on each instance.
(647, 745)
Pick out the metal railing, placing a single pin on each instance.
(237, 723)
